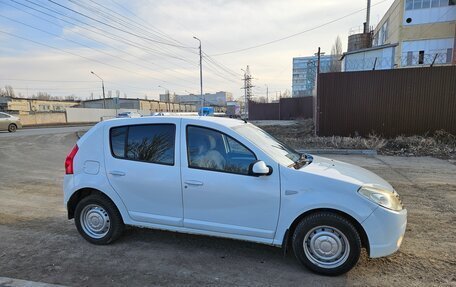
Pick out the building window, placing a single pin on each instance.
(409, 4)
(424, 4)
(421, 57)
(409, 58)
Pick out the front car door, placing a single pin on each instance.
(219, 195)
(142, 164)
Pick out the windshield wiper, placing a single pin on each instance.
(303, 160)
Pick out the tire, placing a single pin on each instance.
(12, 128)
(327, 243)
(98, 220)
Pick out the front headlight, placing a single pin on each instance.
(382, 197)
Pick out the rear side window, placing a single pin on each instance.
(147, 143)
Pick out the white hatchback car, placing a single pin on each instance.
(228, 178)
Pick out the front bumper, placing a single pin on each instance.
(385, 230)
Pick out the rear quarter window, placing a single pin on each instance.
(147, 143)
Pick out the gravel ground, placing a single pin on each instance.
(38, 243)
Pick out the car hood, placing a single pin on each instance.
(346, 172)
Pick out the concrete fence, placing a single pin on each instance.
(43, 118)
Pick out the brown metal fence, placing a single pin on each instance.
(286, 109)
(388, 102)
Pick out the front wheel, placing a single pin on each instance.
(12, 128)
(98, 220)
(327, 243)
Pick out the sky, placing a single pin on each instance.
(142, 48)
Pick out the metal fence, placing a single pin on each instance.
(387, 102)
(285, 109)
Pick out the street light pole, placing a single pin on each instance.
(201, 72)
(102, 87)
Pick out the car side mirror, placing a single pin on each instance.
(259, 168)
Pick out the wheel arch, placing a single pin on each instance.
(80, 194)
(362, 233)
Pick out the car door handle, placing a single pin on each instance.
(193, 182)
(117, 173)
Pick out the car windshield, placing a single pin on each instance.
(279, 151)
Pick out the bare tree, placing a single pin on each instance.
(336, 53)
(8, 92)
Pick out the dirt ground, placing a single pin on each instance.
(38, 243)
(300, 135)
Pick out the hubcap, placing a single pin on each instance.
(95, 221)
(326, 246)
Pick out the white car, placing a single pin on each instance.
(228, 178)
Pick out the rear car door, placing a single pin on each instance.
(142, 165)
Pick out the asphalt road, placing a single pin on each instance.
(38, 243)
(42, 131)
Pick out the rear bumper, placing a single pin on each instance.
(385, 230)
(19, 125)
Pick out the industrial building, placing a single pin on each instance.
(412, 33)
(137, 104)
(217, 99)
(26, 105)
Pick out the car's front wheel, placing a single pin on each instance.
(12, 128)
(98, 220)
(327, 243)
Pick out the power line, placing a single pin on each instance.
(295, 34)
(78, 43)
(119, 29)
(77, 55)
(101, 32)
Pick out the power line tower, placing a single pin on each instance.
(247, 89)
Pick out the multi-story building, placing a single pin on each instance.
(217, 99)
(26, 105)
(412, 33)
(305, 71)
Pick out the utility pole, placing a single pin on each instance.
(201, 73)
(102, 87)
(317, 101)
(247, 89)
(267, 93)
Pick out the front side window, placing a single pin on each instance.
(147, 143)
(213, 150)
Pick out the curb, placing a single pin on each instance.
(367, 152)
(11, 282)
(57, 126)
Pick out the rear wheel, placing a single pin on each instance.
(98, 220)
(12, 128)
(327, 243)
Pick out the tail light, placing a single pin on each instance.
(69, 160)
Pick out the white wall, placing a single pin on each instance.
(430, 15)
(87, 115)
(430, 48)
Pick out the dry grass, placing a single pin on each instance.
(300, 135)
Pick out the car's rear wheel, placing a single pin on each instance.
(98, 220)
(327, 243)
(12, 128)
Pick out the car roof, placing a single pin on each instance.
(219, 120)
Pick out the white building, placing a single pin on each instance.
(305, 72)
